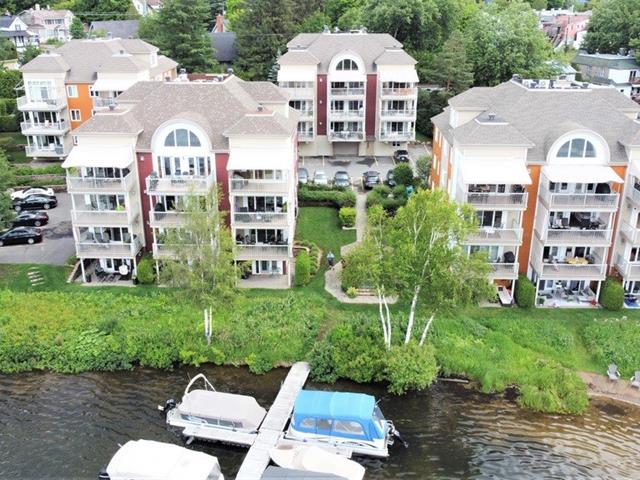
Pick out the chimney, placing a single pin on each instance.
(219, 28)
(492, 116)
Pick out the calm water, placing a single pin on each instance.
(57, 426)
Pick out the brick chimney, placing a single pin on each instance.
(219, 28)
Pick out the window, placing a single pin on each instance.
(348, 427)
(72, 91)
(308, 423)
(347, 64)
(182, 137)
(75, 115)
(577, 148)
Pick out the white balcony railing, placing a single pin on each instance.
(632, 234)
(345, 136)
(347, 92)
(306, 113)
(44, 128)
(49, 104)
(166, 219)
(101, 217)
(261, 186)
(263, 252)
(503, 271)
(629, 270)
(97, 184)
(488, 201)
(398, 113)
(633, 194)
(102, 102)
(599, 237)
(399, 92)
(46, 150)
(346, 113)
(260, 217)
(92, 249)
(393, 136)
(299, 92)
(496, 236)
(608, 201)
(305, 135)
(179, 184)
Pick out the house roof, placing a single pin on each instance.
(6, 20)
(615, 62)
(117, 28)
(374, 48)
(541, 116)
(224, 44)
(222, 108)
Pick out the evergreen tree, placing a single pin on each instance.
(179, 30)
(29, 53)
(452, 69)
(77, 28)
(273, 71)
(7, 50)
(263, 27)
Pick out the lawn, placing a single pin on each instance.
(322, 226)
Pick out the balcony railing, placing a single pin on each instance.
(306, 113)
(398, 113)
(260, 217)
(299, 92)
(305, 135)
(503, 270)
(496, 236)
(101, 217)
(45, 128)
(49, 104)
(400, 91)
(179, 185)
(393, 136)
(633, 194)
(97, 184)
(92, 249)
(347, 92)
(598, 237)
(346, 113)
(46, 151)
(167, 219)
(607, 201)
(489, 201)
(629, 270)
(632, 234)
(263, 252)
(261, 186)
(346, 136)
(102, 102)
(591, 267)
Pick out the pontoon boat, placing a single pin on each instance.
(316, 459)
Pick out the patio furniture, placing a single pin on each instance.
(613, 373)
(635, 380)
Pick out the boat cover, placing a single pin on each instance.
(336, 405)
(147, 460)
(225, 406)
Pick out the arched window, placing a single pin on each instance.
(181, 137)
(577, 148)
(347, 64)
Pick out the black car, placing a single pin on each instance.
(390, 180)
(342, 179)
(370, 179)
(19, 235)
(401, 155)
(35, 202)
(31, 219)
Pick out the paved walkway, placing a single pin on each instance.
(601, 386)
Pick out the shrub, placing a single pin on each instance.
(303, 269)
(72, 260)
(389, 199)
(146, 273)
(525, 292)
(314, 254)
(403, 174)
(347, 216)
(9, 123)
(423, 169)
(612, 295)
(410, 367)
(352, 292)
(316, 196)
(49, 170)
(258, 363)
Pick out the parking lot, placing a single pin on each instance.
(355, 166)
(57, 245)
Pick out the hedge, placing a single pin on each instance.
(50, 170)
(145, 273)
(347, 216)
(313, 196)
(612, 295)
(303, 269)
(525, 292)
(389, 199)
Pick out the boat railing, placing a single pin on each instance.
(205, 380)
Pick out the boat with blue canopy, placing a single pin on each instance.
(341, 419)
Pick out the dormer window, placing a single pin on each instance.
(577, 148)
(182, 137)
(347, 64)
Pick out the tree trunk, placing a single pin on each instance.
(412, 314)
(426, 330)
(385, 332)
(388, 318)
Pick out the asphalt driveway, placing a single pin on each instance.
(355, 166)
(57, 245)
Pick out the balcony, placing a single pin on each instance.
(631, 233)
(166, 219)
(44, 128)
(346, 136)
(576, 201)
(399, 92)
(497, 201)
(46, 151)
(496, 236)
(258, 186)
(347, 92)
(305, 136)
(305, 114)
(629, 270)
(182, 185)
(503, 271)
(275, 219)
(300, 93)
(574, 236)
(576, 268)
(48, 105)
(101, 218)
(263, 252)
(100, 103)
(398, 113)
(346, 113)
(164, 251)
(397, 136)
(633, 194)
(100, 185)
(93, 249)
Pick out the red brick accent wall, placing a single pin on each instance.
(222, 179)
(145, 167)
(371, 104)
(321, 105)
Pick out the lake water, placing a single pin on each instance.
(69, 426)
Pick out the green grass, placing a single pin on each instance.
(322, 226)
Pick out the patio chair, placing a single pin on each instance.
(613, 373)
(635, 380)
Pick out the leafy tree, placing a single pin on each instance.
(635, 43)
(452, 69)
(615, 24)
(7, 178)
(77, 28)
(403, 174)
(9, 80)
(263, 27)
(179, 30)
(90, 10)
(501, 42)
(315, 22)
(29, 53)
(204, 265)
(7, 50)
(423, 169)
(429, 105)
(343, 13)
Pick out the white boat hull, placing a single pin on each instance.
(315, 459)
(378, 449)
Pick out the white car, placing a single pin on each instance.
(20, 194)
(320, 178)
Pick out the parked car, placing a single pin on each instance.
(370, 179)
(31, 219)
(342, 179)
(20, 235)
(390, 180)
(320, 178)
(24, 193)
(401, 155)
(303, 176)
(35, 202)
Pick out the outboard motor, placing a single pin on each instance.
(103, 475)
(396, 434)
(168, 406)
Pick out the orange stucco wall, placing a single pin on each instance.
(437, 153)
(618, 187)
(82, 103)
(528, 217)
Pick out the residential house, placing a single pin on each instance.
(17, 32)
(145, 7)
(564, 28)
(223, 42)
(356, 92)
(115, 28)
(550, 168)
(48, 24)
(621, 71)
(134, 165)
(65, 86)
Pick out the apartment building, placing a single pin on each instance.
(65, 86)
(549, 167)
(356, 92)
(134, 165)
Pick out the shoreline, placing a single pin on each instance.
(599, 386)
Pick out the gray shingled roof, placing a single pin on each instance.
(117, 28)
(616, 62)
(395, 57)
(542, 116)
(6, 20)
(219, 108)
(266, 92)
(324, 46)
(224, 44)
